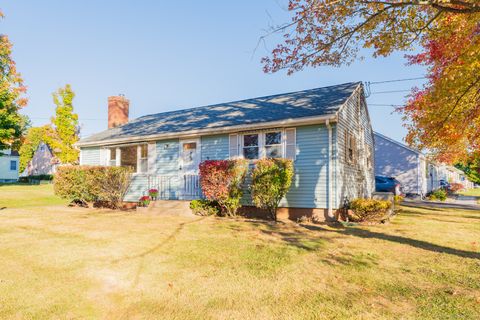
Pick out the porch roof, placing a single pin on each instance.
(325, 101)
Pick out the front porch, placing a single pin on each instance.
(170, 187)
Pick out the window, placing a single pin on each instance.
(250, 146)
(113, 157)
(128, 157)
(13, 165)
(143, 158)
(273, 144)
(350, 148)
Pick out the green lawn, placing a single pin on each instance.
(471, 192)
(24, 195)
(72, 263)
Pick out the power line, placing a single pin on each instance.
(397, 80)
(391, 91)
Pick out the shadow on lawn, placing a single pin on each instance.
(366, 234)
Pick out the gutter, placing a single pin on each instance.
(211, 131)
(329, 171)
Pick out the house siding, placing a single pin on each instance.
(90, 156)
(309, 183)
(7, 175)
(354, 180)
(394, 160)
(166, 164)
(214, 147)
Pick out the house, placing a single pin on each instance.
(43, 162)
(407, 165)
(8, 166)
(326, 131)
(453, 175)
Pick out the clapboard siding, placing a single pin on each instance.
(167, 157)
(394, 160)
(309, 185)
(138, 187)
(357, 179)
(214, 147)
(90, 156)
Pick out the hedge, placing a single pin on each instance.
(369, 210)
(221, 181)
(104, 186)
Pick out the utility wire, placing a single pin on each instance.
(397, 80)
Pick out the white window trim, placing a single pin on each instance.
(261, 143)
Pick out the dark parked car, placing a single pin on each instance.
(388, 184)
(444, 184)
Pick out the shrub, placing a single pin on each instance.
(397, 199)
(439, 194)
(455, 187)
(205, 207)
(221, 181)
(271, 179)
(369, 209)
(102, 185)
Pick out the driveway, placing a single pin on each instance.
(462, 202)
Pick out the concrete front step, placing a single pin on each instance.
(168, 207)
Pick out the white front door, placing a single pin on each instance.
(189, 162)
(189, 156)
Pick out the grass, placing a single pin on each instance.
(60, 262)
(24, 195)
(471, 192)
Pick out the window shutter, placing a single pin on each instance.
(104, 156)
(233, 146)
(290, 143)
(152, 155)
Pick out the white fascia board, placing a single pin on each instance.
(212, 131)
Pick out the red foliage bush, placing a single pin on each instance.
(221, 181)
(455, 187)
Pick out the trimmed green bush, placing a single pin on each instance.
(437, 195)
(368, 210)
(204, 207)
(271, 179)
(104, 186)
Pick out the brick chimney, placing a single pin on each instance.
(117, 111)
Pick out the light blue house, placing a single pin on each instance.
(326, 131)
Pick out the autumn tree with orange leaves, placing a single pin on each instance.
(12, 123)
(442, 117)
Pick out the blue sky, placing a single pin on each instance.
(168, 55)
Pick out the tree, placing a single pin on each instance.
(60, 135)
(332, 32)
(32, 140)
(471, 168)
(65, 124)
(12, 124)
(444, 115)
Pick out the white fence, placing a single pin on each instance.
(176, 187)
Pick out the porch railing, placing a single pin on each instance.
(172, 187)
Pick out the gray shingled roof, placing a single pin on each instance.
(315, 102)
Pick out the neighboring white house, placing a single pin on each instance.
(8, 166)
(412, 168)
(407, 165)
(453, 175)
(43, 162)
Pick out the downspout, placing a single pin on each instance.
(329, 171)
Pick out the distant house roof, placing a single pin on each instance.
(397, 143)
(318, 102)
